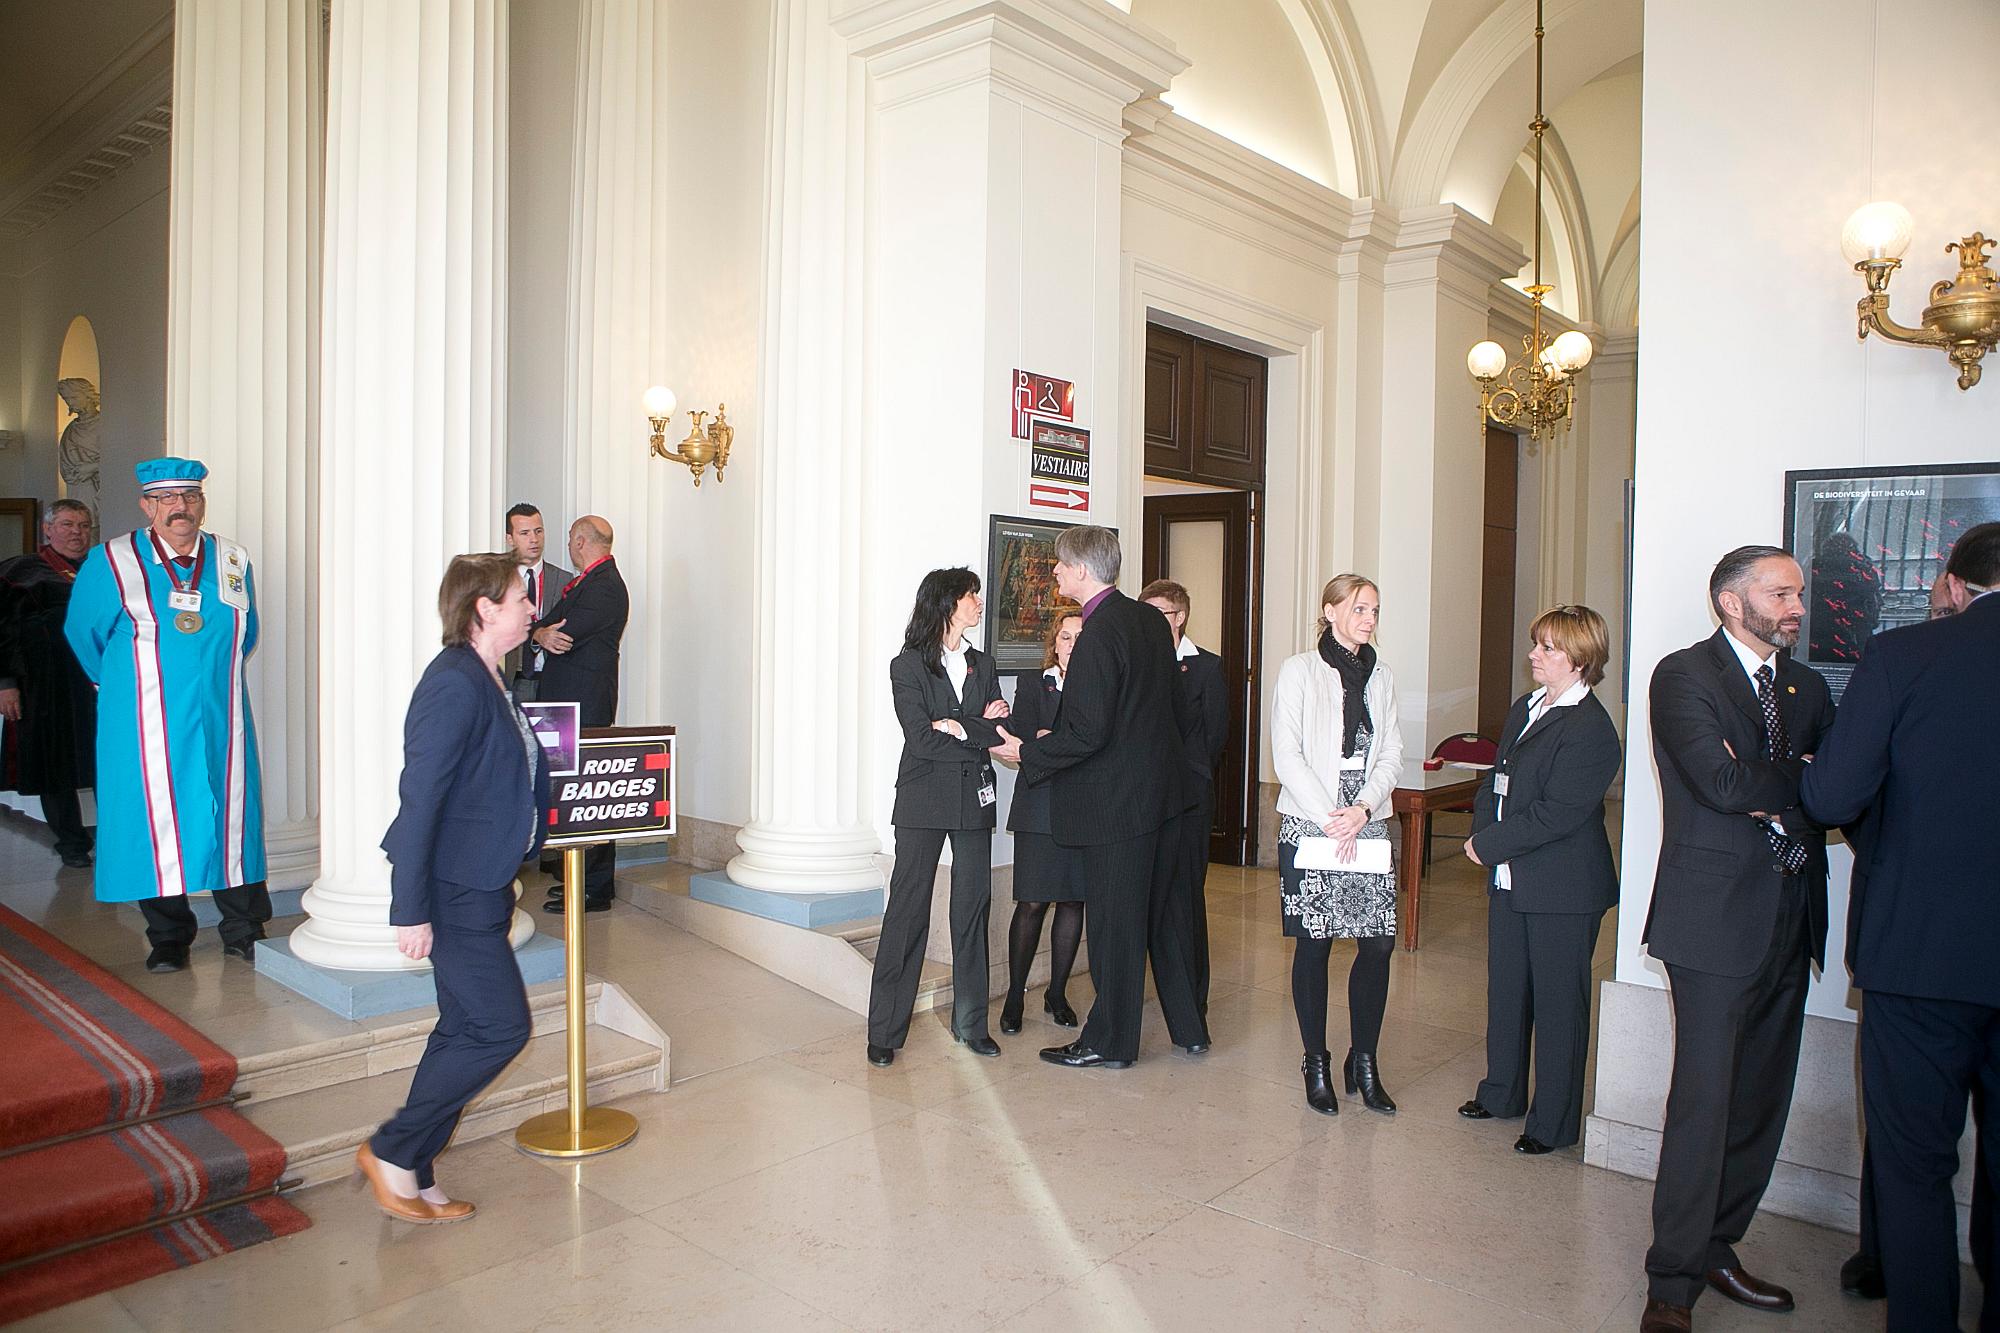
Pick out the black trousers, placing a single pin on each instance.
(1537, 993)
(245, 909)
(1984, 1181)
(1919, 1059)
(1193, 886)
(482, 1024)
(64, 813)
(1736, 1054)
(906, 928)
(1130, 912)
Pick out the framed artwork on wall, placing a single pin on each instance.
(1871, 542)
(1021, 597)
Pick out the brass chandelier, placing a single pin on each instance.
(1538, 392)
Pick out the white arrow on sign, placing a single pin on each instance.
(1058, 497)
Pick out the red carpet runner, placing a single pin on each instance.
(84, 1058)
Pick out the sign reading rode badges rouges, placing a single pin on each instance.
(622, 789)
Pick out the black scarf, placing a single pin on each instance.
(1354, 669)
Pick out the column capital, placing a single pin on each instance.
(1449, 246)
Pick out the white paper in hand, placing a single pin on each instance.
(1371, 855)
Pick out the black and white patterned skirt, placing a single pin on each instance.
(1334, 904)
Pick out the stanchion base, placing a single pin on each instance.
(604, 1128)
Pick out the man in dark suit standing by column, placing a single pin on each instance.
(1206, 723)
(1120, 781)
(1738, 916)
(580, 635)
(1915, 731)
(527, 538)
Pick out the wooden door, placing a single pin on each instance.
(1211, 544)
(1204, 411)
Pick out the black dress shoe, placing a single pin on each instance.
(596, 904)
(167, 958)
(1661, 1317)
(1059, 1011)
(1861, 1276)
(1010, 1016)
(1196, 1047)
(1472, 1110)
(1528, 1147)
(1078, 1056)
(1317, 1069)
(884, 1056)
(244, 949)
(1754, 1292)
(76, 860)
(985, 1046)
(1365, 1077)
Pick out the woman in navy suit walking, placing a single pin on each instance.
(475, 797)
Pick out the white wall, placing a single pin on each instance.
(1742, 233)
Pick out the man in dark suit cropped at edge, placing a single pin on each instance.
(1206, 724)
(1738, 916)
(580, 636)
(1916, 725)
(526, 539)
(1120, 781)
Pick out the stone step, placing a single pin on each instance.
(321, 1126)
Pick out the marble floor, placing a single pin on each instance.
(783, 1183)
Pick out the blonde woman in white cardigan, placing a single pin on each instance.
(1338, 751)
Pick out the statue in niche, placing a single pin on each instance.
(78, 451)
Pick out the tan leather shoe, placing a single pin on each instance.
(1661, 1317)
(390, 1202)
(455, 1210)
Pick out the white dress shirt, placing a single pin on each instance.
(1538, 708)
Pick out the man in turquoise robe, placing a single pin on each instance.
(162, 619)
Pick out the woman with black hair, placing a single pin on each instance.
(947, 698)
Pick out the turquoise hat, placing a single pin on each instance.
(169, 474)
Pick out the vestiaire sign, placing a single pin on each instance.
(1059, 453)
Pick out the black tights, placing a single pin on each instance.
(1024, 937)
(1367, 990)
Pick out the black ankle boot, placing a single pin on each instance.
(1010, 1014)
(1318, 1070)
(1365, 1077)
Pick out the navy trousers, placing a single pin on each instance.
(482, 1024)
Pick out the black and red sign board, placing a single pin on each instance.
(622, 791)
(1041, 396)
(1059, 454)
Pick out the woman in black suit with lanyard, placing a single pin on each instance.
(947, 698)
(1538, 821)
(475, 799)
(1044, 871)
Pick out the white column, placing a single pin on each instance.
(413, 358)
(810, 826)
(242, 343)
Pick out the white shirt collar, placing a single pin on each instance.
(1185, 649)
(1055, 674)
(1569, 698)
(1749, 659)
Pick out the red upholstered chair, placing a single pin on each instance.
(1468, 747)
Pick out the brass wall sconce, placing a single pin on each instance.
(1963, 317)
(705, 444)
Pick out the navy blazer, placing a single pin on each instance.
(471, 812)
(593, 614)
(1916, 731)
(1552, 838)
(1717, 888)
(1207, 719)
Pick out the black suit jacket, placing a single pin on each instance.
(1115, 758)
(939, 777)
(1917, 729)
(1037, 703)
(1207, 718)
(593, 614)
(1717, 888)
(1552, 838)
(471, 812)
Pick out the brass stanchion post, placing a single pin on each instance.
(581, 1130)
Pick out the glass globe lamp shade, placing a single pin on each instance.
(1879, 230)
(1571, 351)
(660, 401)
(1486, 361)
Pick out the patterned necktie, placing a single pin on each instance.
(1790, 851)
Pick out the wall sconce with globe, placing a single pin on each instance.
(706, 443)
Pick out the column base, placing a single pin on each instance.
(810, 910)
(357, 994)
(809, 861)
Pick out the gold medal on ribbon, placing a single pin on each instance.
(188, 622)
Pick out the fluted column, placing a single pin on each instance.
(413, 345)
(242, 344)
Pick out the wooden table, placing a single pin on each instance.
(1421, 793)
